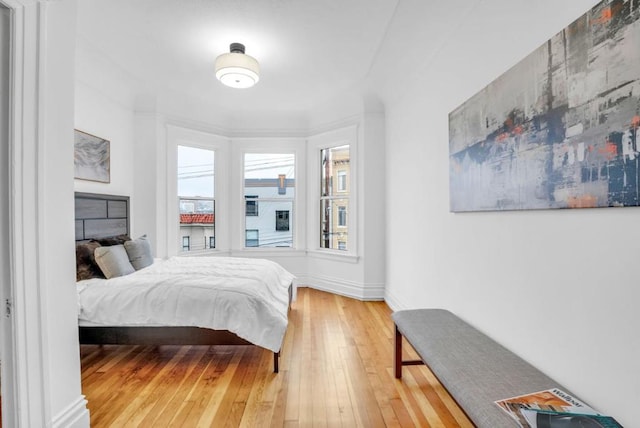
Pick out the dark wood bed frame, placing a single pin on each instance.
(100, 216)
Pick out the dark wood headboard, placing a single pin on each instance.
(99, 216)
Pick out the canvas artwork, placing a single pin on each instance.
(560, 128)
(91, 157)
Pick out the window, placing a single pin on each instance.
(342, 181)
(196, 202)
(334, 203)
(212, 242)
(282, 220)
(342, 216)
(269, 178)
(251, 205)
(252, 238)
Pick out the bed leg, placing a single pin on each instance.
(276, 357)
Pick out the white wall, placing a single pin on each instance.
(105, 108)
(44, 315)
(558, 286)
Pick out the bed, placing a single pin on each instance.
(205, 300)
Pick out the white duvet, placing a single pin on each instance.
(248, 297)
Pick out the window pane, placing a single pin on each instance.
(269, 175)
(335, 171)
(278, 233)
(333, 233)
(195, 172)
(269, 191)
(196, 198)
(197, 222)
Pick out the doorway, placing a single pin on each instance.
(6, 340)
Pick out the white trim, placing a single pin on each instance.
(315, 143)
(335, 255)
(32, 402)
(76, 415)
(284, 145)
(177, 136)
(343, 287)
(393, 301)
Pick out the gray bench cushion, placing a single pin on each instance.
(475, 369)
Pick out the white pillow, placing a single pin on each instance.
(113, 261)
(139, 252)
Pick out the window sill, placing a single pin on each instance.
(336, 255)
(197, 253)
(267, 252)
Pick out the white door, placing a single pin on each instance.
(7, 379)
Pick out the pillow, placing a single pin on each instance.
(86, 267)
(112, 240)
(139, 252)
(113, 261)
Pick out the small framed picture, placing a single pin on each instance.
(92, 158)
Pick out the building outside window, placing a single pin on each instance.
(251, 203)
(282, 220)
(196, 198)
(334, 197)
(270, 179)
(252, 238)
(342, 181)
(342, 216)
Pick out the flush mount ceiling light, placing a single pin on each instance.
(236, 69)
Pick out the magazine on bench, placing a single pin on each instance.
(554, 408)
(542, 419)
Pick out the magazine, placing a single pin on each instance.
(543, 419)
(550, 400)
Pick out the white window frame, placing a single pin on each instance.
(179, 136)
(297, 223)
(315, 144)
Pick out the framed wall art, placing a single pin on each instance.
(560, 128)
(91, 157)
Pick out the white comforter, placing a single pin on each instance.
(248, 297)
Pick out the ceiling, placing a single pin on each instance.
(309, 50)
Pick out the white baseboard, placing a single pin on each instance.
(76, 415)
(393, 302)
(353, 289)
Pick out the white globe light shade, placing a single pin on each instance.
(237, 70)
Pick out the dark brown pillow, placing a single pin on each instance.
(86, 266)
(112, 240)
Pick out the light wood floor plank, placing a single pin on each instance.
(336, 370)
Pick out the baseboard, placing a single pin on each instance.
(74, 416)
(353, 289)
(393, 302)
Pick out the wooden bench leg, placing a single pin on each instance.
(397, 355)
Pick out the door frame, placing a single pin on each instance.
(25, 367)
(7, 372)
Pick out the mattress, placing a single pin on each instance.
(249, 297)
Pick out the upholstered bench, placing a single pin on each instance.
(474, 369)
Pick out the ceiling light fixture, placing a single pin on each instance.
(236, 69)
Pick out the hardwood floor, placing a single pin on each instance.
(336, 369)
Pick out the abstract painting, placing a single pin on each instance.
(560, 128)
(91, 157)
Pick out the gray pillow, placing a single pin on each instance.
(139, 252)
(113, 261)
